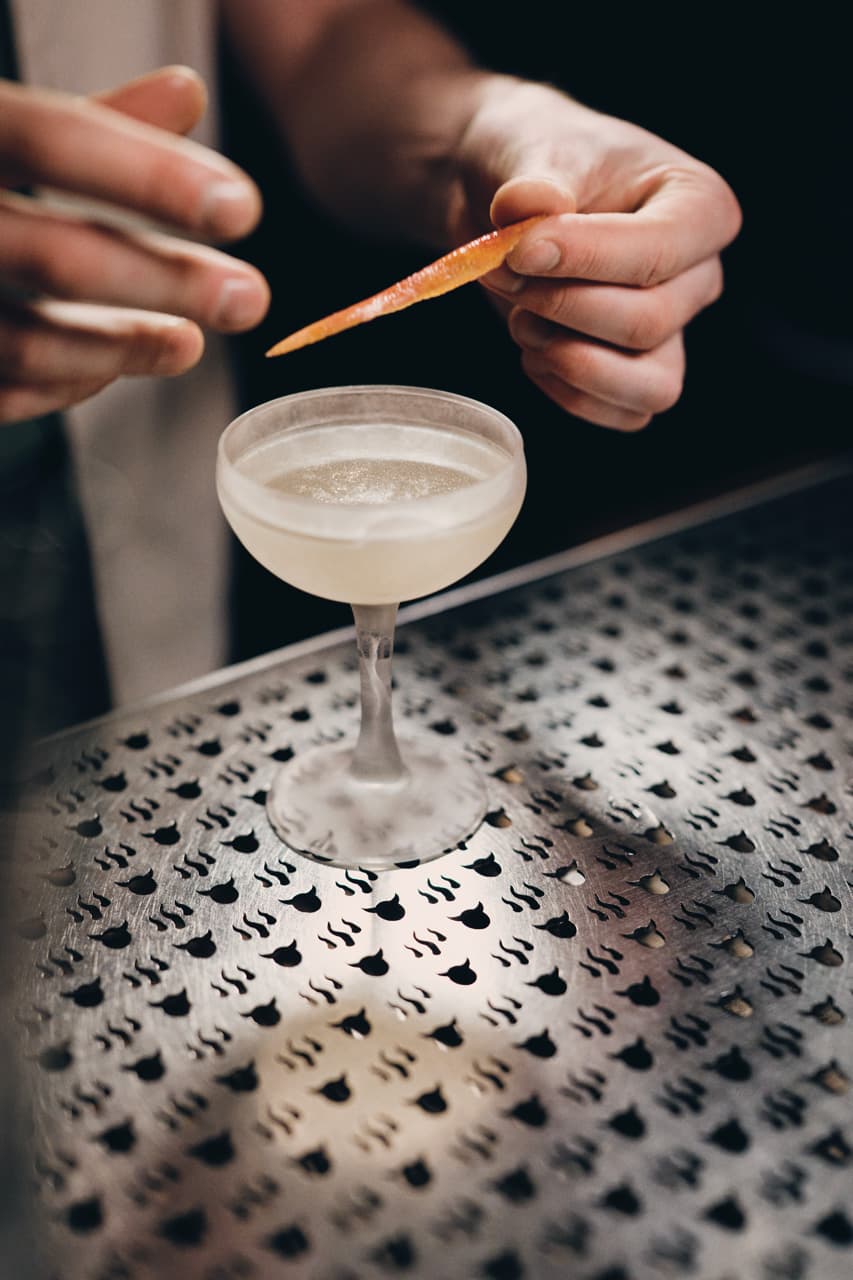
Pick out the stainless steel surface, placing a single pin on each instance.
(608, 1039)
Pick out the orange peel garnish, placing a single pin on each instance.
(460, 266)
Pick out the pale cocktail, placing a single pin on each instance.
(373, 496)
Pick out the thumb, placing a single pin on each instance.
(525, 195)
(172, 98)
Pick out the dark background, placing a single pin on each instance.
(768, 107)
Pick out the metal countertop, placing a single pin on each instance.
(609, 1039)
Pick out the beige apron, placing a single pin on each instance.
(144, 448)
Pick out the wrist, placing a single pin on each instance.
(438, 196)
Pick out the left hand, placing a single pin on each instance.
(83, 303)
(597, 297)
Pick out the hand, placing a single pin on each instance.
(82, 303)
(597, 297)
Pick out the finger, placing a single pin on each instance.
(640, 319)
(642, 381)
(524, 197)
(172, 98)
(690, 215)
(58, 344)
(65, 257)
(85, 147)
(581, 405)
(19, 402)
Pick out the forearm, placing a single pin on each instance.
(372, 98)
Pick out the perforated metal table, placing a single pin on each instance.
(609, 1039)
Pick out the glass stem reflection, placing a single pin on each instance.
(376, 757)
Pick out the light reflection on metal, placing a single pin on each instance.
(609, 1037)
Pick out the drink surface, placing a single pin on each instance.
(375, 513)
(372, 463)
(372, 481)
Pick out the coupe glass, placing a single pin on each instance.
(372, 495)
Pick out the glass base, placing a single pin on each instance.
(319, 810)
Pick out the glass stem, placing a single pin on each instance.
(376, 757)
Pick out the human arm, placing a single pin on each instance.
(396, 131)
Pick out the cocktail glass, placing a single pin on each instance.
(372, 495)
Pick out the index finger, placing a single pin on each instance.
(687, 218)
(83, 146)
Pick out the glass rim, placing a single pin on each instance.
(258, 499)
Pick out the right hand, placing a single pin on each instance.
(82, 303)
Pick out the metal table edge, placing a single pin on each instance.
(646, 531)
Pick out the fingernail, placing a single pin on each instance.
(504, 280)
(529, 331)
(532, 259)
(239, 304)
(229, 207)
